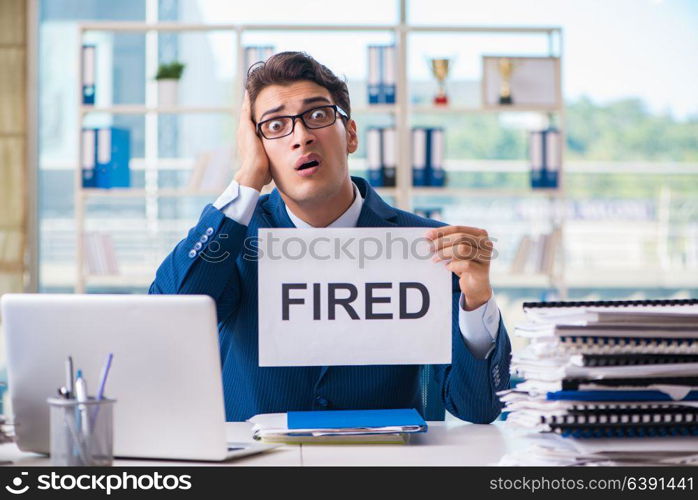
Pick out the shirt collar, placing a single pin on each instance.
(348, 219)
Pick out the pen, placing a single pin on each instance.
(102, 383)
(69, 377)
(103, 376)
(81, 395)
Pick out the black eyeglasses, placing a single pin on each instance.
(281, 126)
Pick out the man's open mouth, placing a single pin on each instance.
(310, 164)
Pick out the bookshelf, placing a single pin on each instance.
(402, 112)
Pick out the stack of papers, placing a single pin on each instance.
(605, 374)
(339, 426)
(553, 450)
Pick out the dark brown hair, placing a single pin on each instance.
(286, 68)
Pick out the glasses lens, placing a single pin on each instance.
(276, 127)
(319, 117)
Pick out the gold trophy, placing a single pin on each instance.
(506, 68)
(440, 67)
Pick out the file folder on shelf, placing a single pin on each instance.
(88, 73)
(89, 157)
(374, 74)
(436, 174)
(388, 158)
(381, 74)
(106, 154)
(374, 157)
(419, 156)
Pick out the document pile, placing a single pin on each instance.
(338, 426)
(609, 370)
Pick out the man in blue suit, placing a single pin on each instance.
(296, 128)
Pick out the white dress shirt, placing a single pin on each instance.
(479, 327)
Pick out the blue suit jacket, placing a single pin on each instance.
(466, 387)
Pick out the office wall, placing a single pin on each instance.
(13, 144)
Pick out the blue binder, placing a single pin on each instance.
(435, 168)
(345, 419)
(89, 65)
(88, 158)
(537, 158)
(601, 395)
(388, 67)
(374, 74)
(552, 157)
(381, 74)
(420, 156)
(374, 155)
(388, 158)
(545, 158)
(113, 153)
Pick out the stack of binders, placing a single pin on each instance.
(381, 156)
(609, 370)
(428, 146)
(106, 155)
(89, 70)
(545, 156)
(381, 74)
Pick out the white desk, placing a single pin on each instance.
(452, 442)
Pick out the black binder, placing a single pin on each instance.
(636, 359)
(611, 303)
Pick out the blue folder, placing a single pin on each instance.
(649, 395)
(344, 419)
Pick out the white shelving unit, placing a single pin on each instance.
(402, 112)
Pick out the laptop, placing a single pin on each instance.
(165, 374)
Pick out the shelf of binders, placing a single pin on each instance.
(484, 192)
(138, 192)
(137, 109)
(172, 192)
(478, 109)
(394, 102)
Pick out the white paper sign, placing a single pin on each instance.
(354, 296)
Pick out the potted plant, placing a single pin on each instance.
(168, 81)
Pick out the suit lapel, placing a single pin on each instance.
(277, 211)
(374, 212)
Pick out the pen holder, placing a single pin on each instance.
(82, 433)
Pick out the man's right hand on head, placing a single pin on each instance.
(254, 169)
